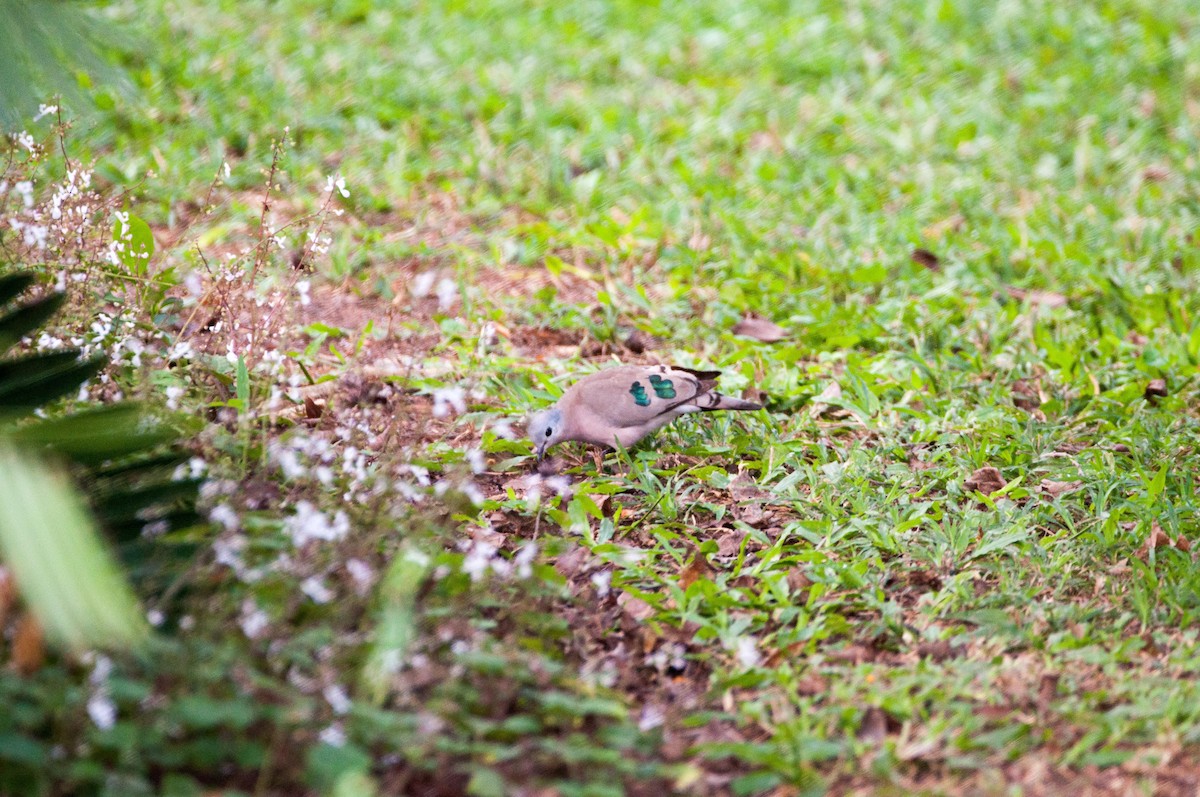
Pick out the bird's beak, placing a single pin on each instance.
(541, 452)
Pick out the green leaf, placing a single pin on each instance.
(13, 285)
(397, 621)
(25, 319)
(1156, 485)
(135, 242)
(35, 380)
(243, 383)
(51, 544)
(327, 765)
(50, 48)
(486, 782)
(20, 749)
(95, 436)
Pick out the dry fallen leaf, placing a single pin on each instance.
(936, 650)
(695, 570)
(1156, 172)
(639, 342)
(939, 229)
(760, 329)
(729, 542)
(797, 581)
(1047, 690)
(636, 608)
(1026, 396)
(1157, 387)
(820, 402)
(1157, 538)
(874, 725)
(28, 645)
(8, 595)
(812, 684)
(987, 480)
(923, 257)
(1044, 298)
(1055, 489)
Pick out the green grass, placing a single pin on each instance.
(817, 598)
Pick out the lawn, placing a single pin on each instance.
(952, 555)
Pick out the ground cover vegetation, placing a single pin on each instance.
(356, 243)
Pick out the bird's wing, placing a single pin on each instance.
(637, 395)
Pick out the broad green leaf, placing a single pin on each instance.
(51, 545)
(27, 318)
(396, 621)
(38, 379)
(135, 242)
(243, 383)
(100, 435)
(327, 765)
(13, 285)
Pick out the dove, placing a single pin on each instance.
(621, 405)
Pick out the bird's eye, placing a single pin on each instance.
(548, 432)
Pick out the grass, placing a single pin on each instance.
(810, 599)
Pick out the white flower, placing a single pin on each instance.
(339, 183)
(362, 575)
(254, 620)
(651, 718)
(335, 695)
(504, 430)
(25, 189)
(174, 393)
(302, 288)
(310, 523)
(476, 461)
(478, 559)
(102, 711)
(447, 294)
(745, 650)
(224, 514)
(602, 581)
(45, 110)
(524, 560)
(334, 735)
(422, 284)
(100, 671)
(316, 590)
(289, 462)
(448, 399)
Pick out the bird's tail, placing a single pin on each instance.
(719, 401)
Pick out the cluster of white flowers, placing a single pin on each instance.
(254, 621)
(309, 524)
(100, 707)
(301, 455)
(482, 557)
(447, 400)
(445, 289)
(538, 486)
(338, 183)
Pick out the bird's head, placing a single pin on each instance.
(545, 429)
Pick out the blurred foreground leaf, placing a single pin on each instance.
(51, 545)
(52, 48)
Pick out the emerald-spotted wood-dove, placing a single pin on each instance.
(626, 403)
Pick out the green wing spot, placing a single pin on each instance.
(663, 388)
(639, 395)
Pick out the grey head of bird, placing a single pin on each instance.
(545, 429)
